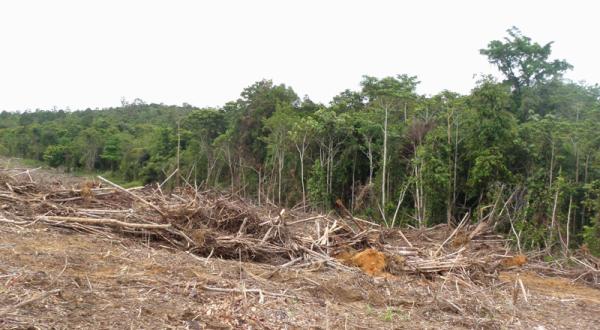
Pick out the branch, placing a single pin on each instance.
(31, 300)
(105, 221)
(133, 195)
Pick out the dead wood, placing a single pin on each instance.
(104, 221)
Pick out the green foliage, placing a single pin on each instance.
(591, 231)
(258, 102)
(489, 167)
(112, 150)
(591, 237)
(524, 63)
(4, 150)
(317, 186)
(437, 179)
(55, 155)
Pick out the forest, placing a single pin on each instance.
(522, 149)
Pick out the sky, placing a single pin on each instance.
(81, 54)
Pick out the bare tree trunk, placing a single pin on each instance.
(455, 166)
(369, 154)
(208, 169)
(241, 181)
(259, 186)
(301, 151)
(217, 175)
(271, 184)
(388, 184)
(568, 223)
(423, 201)
(281, 164)
(418, 196)
(353, 181)
(211, 169)
(400, 200)
(230, 165)
(331, 156)
(449, 205)
(551, 164)
(330, 168)
(383, 176)
(553, 219)
(576, 164)
(178, 150)
(585, 181)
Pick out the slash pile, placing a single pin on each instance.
(208, 223)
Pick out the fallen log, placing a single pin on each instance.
(104, 221)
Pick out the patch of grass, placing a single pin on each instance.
(31, 162)
(369, 309)
(392, 314)
(388, 316)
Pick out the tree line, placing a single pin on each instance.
(523, 150)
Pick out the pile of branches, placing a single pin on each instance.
(209, 223)
(205, 223)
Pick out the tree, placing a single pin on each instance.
(332, 131)
(279, 126)
(257, 103)
(491, 132)
(387, 95)
(88, 146)
(112, 151)
(302, 134)
(524, 64)
(55, 155)
(370, 131)
(205, 125)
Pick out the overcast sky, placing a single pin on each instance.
(81, 54)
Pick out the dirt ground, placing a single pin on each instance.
(58, 278)
(124, 284)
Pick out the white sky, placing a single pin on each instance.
(81, 54)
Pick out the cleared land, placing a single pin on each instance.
(77, 254)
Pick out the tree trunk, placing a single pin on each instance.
(259, 186)
(369, 154)
(449, 192)
(568, 223)
(281, 164)
(383, 176)
(551, 164)
(551, 236)
(301, 151)
(454, 178)
(576, 164)
(177, 182)
(353, 180)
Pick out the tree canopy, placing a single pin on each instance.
(524, 63)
